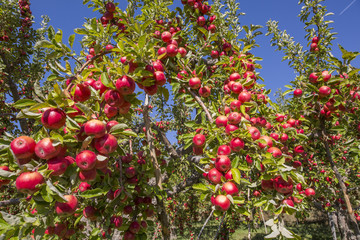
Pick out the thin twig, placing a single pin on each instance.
(262, 216)
(203, 227)
(201, 103)
(218, 231)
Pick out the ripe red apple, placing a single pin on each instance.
(326, 76)
(313, 78)
(114, 98)
(110, 111)
(130, 172)
(4, 181)
(106, 144)
(129, 236)
(199, 140)
(230, 128)
(87, 176)
(299, 187)
(230, 188)
(214, 176)
(288, 202)
(134, 227)
(67, 208)
(282, 186)
(298, 92)
(182, 51)
(84, 186)
(125, 85)
(23, 147)
(324, 91)
(224, 150)
(268, 141)
(99, 86)
(244, 96)
(162, 51)
(160, 78)
(45, 149)
(222, 163)
(194, 83)
(171, 50)
(166, 36)
(110, 124)
(236, 144)
(284, 137)
(234, 118)
(86, 160)
(82, 93)
(222, 203)
(53, 118)
(315, 40)
(90, 213)
(58, 164)
(95, 128)
(221, 121)
(27, 182)
(276, 152)
(237, 88)
(255, 133)
(158, 66)
(228, 175)
(234, 76)
(204, 91)
(309, 192)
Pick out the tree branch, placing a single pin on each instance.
(201, 103)
(203, 227)
(13, 201)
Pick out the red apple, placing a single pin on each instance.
(58, 165)
(84, 186)
(276, 152)
(199, 140)
(86, 160)
(230, 188)
(222, 163)
(236, 144)
(27, 182)
(53, 118)
(194, 83)
(224, 150)
(67, 208)
(214, 176)
(282, 186)
(106, 144)
(309, 192)
(324, 91)
(125, 85)
(114, 98)
(45, 149)
(82, 93)
(222, 203)
(95, 128)
(23, 147)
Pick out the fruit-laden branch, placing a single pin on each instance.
(201, 103)
(203, 227)
(324, 139)
(13, 201)
(91, 60)
(161, 210)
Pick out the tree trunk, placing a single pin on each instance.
(332, 223)
(344, 227)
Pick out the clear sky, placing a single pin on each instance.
(70, 14)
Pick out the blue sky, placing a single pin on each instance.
(68, 15)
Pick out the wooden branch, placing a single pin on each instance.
(13, 201)
(161, 210)
(201, 103)
(203, 227)
(173, 154)
(343, 188)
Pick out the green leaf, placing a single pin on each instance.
(97, 192)
(7, 174)
(44, 44)
(236, 175)
(84, 109)
(105, 80)
(24, 103)
(200, 187)
(81, 31)
(119, 126)
(71, 40)
(54, 189)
